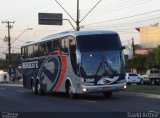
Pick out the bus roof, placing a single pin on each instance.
(72, 33)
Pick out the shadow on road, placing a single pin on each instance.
(91, 96)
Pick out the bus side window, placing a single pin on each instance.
(30, 51)
(41, 49)
(49, 47)
(23, 52)
(26, 51)
(72, 51)
(64, 45)
(35, 50)
(56, 46)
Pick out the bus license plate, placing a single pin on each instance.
(105, 88)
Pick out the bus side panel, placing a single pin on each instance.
(49, 73)
(68, 71)
(52, 73)
(70, 75)
(30, 71)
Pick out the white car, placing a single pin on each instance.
(145, 79)
(132, 78)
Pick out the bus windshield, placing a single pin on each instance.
(98, 42)
(107, 63)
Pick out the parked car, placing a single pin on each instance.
(152, 76)
(144, 79)
(132, 78)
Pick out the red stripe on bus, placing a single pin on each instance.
(57, 52)
(62, 74)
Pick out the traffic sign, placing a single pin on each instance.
(50, 18)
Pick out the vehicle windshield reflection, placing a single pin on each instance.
(107, 63)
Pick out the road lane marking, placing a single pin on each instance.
(20, 91)
(88, 101)
(2, 88)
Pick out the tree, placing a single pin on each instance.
(157, 55)
(138, 63)
(151, 60)
(3, 64)
(143, 62)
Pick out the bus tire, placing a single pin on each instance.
(69, 90)
(34, 87)
(107, 94)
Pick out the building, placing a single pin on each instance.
(149, 36)
(143, 51)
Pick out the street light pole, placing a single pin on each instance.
(21, 34)
(9, 44)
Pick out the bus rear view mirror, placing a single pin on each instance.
(130, 52)
(78, 56)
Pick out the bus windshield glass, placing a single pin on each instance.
(107, 63)
(98, 42)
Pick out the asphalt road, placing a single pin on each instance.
(19, 99)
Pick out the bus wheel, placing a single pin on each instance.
(69, 91)
(107, 94)
(39, 91)
(34, 87)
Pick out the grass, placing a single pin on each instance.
(151, 89)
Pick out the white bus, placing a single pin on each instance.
(75, 62)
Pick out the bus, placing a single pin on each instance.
(78, 62)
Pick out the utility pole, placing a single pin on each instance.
(9, 45)
(78, 16)
(78, 21)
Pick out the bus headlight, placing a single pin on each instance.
(124, 86)
(84, 89)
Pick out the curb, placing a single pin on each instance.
(12, 84)
(142, 94)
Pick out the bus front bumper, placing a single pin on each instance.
(104, 88)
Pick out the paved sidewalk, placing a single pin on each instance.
(12, 84)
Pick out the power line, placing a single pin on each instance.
(65, 10)
(123, 17)
(90, 11)
(124, 5)
(78, 13)
(124, 24)
(110, 4)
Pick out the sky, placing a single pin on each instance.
(122, 16)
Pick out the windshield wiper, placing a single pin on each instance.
(106, 67)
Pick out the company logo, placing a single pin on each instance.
(107, 80)
(30, 65)
(50, 72)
